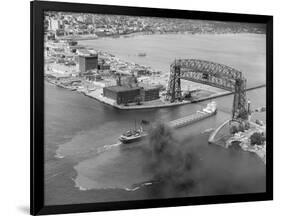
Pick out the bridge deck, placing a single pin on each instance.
(205, 82)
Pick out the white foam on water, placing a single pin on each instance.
(207, 130)
(132, 189)
(78, 186)
(108, 168)
(138, 187)
(58, 155)
(107, 147)
(82, 189)
(148, 183)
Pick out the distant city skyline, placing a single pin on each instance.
(108, 25)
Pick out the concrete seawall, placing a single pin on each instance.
(165, 105)
(97, 96)
(214, 139)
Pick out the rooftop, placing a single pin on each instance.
(149, 87)
(87, 53)
(122, 88)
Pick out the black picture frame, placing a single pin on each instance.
(37, 9)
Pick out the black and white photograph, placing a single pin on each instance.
(144, 108)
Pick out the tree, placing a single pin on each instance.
(257, 138)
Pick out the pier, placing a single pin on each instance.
(218, 135)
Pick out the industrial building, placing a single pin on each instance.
(88, 61)
(92, 75)
(103, 66)
(149, 93)
(126, 94)
(122, 94)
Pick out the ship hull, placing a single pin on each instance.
(132, 140)
(195, 118)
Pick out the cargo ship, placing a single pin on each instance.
(134, 135)
(208, 111)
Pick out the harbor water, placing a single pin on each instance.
(84, 162)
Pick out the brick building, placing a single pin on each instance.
(122, 94)
(150, 93)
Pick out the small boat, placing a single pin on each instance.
(142, 54)
(133, 135)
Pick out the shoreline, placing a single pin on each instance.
(97, 94)
(112, 103)
(261, 155)
(140, 107)
(243, 144)
(134, 34)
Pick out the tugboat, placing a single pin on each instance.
(133, 135)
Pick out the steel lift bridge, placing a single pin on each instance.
(209, 73)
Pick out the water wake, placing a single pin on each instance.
(92, 151)
(78, 186)
(208, 130)
(107, 147)
(140, 185)
(134, 187)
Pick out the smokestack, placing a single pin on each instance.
(118, 80)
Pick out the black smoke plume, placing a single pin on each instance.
(199, 169)
(170, 162)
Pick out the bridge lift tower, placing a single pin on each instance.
(213, 74)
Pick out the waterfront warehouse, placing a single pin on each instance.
(149, 93)
(122, 94)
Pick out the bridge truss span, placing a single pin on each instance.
(209, 73)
